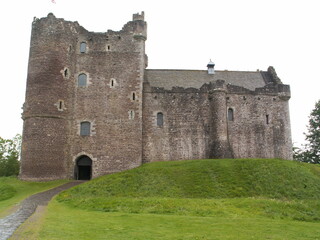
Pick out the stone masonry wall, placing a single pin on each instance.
(196, 123)
(47, 106)
(112, 99)
(185, 133)
(261, 126)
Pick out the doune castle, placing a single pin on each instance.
(93, 107)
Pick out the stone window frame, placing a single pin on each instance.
(113, 83)
(66, 73)
(92, 127)
(80, 82)
(88, 79)
(60, 105)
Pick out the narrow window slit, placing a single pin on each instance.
(230, 114)
(66, 73)
(159, 119)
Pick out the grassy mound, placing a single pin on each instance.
(206, 187)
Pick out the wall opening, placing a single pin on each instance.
(66, 73)
(131, 114)
(83, 47)
(230, 114)
(83, 168)
(159, 119)
(85, 128)
(113, 83)
(133, 96)
(267, 119)
(82, 80)
(61, 105)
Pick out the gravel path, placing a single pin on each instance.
(27, 207)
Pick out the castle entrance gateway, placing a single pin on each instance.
(83, 168)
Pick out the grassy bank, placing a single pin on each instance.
(200, 199)
(266, 187)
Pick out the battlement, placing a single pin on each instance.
(137, 16)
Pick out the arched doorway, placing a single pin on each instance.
(83, 168)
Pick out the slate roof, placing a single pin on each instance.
(168, 79)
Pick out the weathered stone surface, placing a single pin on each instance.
(121, 100)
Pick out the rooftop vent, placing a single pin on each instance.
(210, 67)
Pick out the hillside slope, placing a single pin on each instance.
(227, 178)
(201, 187)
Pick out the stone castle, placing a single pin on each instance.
(93, 107)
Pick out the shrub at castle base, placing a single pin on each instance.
(92, 107)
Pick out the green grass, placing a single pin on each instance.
(63, 222)
(263, 187)
(227, 178)
(13, 191)
(199, 199)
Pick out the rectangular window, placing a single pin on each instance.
(230, 114)
(159, 119)
(85, 128)
(83, 47)
(82, 80)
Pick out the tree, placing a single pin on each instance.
(311, 153)
(9, 156)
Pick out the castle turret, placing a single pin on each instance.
(220, 144)
(47, 105)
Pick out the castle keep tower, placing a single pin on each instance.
(83, 108)
(92, 107)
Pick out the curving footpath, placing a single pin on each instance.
(27, 207)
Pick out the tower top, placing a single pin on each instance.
(138, 16)
(210, 67)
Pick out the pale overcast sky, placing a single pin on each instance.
(236, 35)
